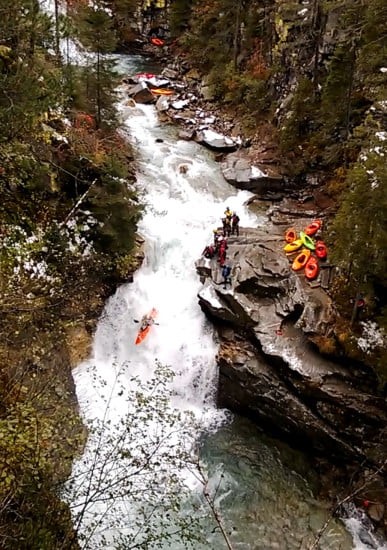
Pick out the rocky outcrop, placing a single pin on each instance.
(238, 170)
(270, 369)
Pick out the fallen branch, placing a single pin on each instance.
(211, 504)
(77, 204)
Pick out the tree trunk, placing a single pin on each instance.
(236, 35)
(98, 118)
(57, 48)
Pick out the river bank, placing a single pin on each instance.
(54, 287)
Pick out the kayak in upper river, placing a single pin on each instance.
(146, 322)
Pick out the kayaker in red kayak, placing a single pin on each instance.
(146, 321)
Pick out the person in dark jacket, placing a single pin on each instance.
(226, 226)
(226, 275)
(235, 224)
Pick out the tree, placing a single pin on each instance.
(29, 83)
(95, 30)
(128, 490)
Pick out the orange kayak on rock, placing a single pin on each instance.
(143, 332)
(313, 227)
(311, 268)
(321, 250)
(301, 259)
(290, 235)
(293, 246)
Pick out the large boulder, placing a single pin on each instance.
(237, 170)
(141, 93)
(214, 140)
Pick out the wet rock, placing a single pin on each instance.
(170, 73)
(141, 93)
(238, 170)
(193, 74)
(376, 512)
(187, 135)
(79, 342)
(207, 93)
(216, 141)
(163, 103)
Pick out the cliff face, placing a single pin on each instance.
(270, 368)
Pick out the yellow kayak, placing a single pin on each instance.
(293, 246)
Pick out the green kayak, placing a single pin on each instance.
(308, 241)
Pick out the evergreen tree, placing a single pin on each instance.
(180, 13)
(96, 32)
(29, 83)
(359, 228)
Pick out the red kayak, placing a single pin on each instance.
(148, 76)
(143, 332)
(157, 41)
(313, 227)
(321, 250)
(311, 268)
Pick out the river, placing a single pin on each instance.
(264, 492)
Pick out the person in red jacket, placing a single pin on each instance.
(222, 251)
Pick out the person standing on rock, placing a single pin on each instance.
(226, 276)
(222, 251)
(226, 226)
(217, 236)
(235, 224)
(228, 213)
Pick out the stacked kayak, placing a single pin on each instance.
(307, 249)
(144, 330)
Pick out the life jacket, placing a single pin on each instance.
(226, 271)
(208, 252)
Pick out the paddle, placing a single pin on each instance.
(137, 321)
